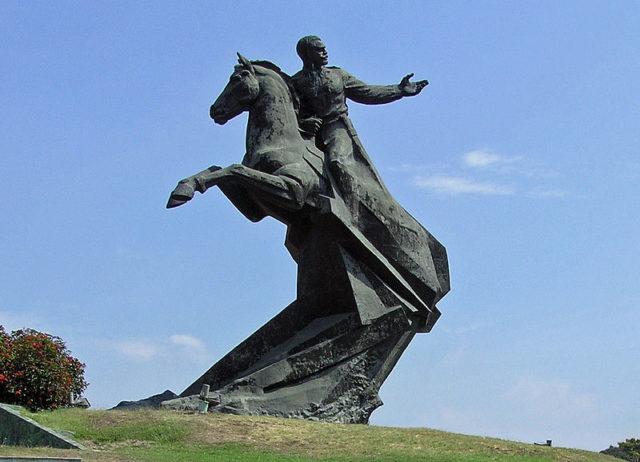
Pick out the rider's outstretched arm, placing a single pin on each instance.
(361, 92)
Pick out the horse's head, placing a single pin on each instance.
(239, 94)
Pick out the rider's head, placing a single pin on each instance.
(312, 51)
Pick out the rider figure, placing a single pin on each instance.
(323, 111)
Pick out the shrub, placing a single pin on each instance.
(37, 370)
(627, 450)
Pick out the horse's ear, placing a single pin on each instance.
(245, 63)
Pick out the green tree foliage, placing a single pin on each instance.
(627, 450)
(37, 370)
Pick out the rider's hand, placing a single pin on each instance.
(311, 125)
(411, 88)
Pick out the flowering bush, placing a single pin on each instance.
(37, 371)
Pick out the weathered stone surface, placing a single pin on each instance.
(369, 275)
(19, 430)
(187, 403)
(150, 402)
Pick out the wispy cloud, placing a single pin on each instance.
(138, 350)
(175, 346)
(488, 161)
(187, 341)
(485, 158)
(485, 172)
(459, 185)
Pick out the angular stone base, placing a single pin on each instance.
(360, 302)
(18, 430)
(330, 369)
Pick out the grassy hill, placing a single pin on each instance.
(173, 436)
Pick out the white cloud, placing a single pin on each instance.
(487, 160)
(481, 158)
(175, 347)
(139, 350)
(485, 174)
(187, 341)
(458, 185)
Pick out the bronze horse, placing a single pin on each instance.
(280, 172)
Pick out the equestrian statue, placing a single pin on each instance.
(369, 275)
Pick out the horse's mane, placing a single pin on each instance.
(268, 65)
(286, 77)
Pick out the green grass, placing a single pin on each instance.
(173, 436)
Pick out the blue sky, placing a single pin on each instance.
(521, 157)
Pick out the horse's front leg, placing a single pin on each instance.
(187, 187)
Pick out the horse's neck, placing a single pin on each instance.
(272, 120)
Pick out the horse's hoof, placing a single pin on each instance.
(182, 194)
(175, 202)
